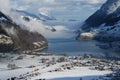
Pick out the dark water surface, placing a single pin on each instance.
(74, 48)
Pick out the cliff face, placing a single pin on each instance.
(109, 14)
(13, 37)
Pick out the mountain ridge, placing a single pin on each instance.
(105, 24)
(21, 39)
(108, 14)
(34, 15)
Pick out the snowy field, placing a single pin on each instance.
(35, 67)
(74, 74)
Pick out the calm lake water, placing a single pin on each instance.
(74, 48)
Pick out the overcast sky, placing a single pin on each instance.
(61, 9)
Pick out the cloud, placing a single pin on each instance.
(38, 26)
(53, 5)
(93, 1)
(49, 6)
(61, 9)
(44, 10)
(4, 5)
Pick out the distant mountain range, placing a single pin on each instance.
(38, 16)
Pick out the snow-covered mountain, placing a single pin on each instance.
(38, 16)
(106, 24)
(13, 37)
(109, 14)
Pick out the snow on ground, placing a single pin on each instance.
(46, 71)
(74, 74)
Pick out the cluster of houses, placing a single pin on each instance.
(98, 64)
(69, 66)
(70, 63)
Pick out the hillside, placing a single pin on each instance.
(13, 37)
(108, 14)
(105, 24)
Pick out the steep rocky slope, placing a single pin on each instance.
(105, 23)
(15, 38)
(109, 14)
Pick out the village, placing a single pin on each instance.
(32, 67)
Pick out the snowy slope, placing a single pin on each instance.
(38, 16)
(74, 74)
(106, 24)
(109, 14)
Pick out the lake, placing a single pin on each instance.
(73, 48)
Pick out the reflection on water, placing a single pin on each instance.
(74, 48)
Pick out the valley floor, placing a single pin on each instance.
(50, 67)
